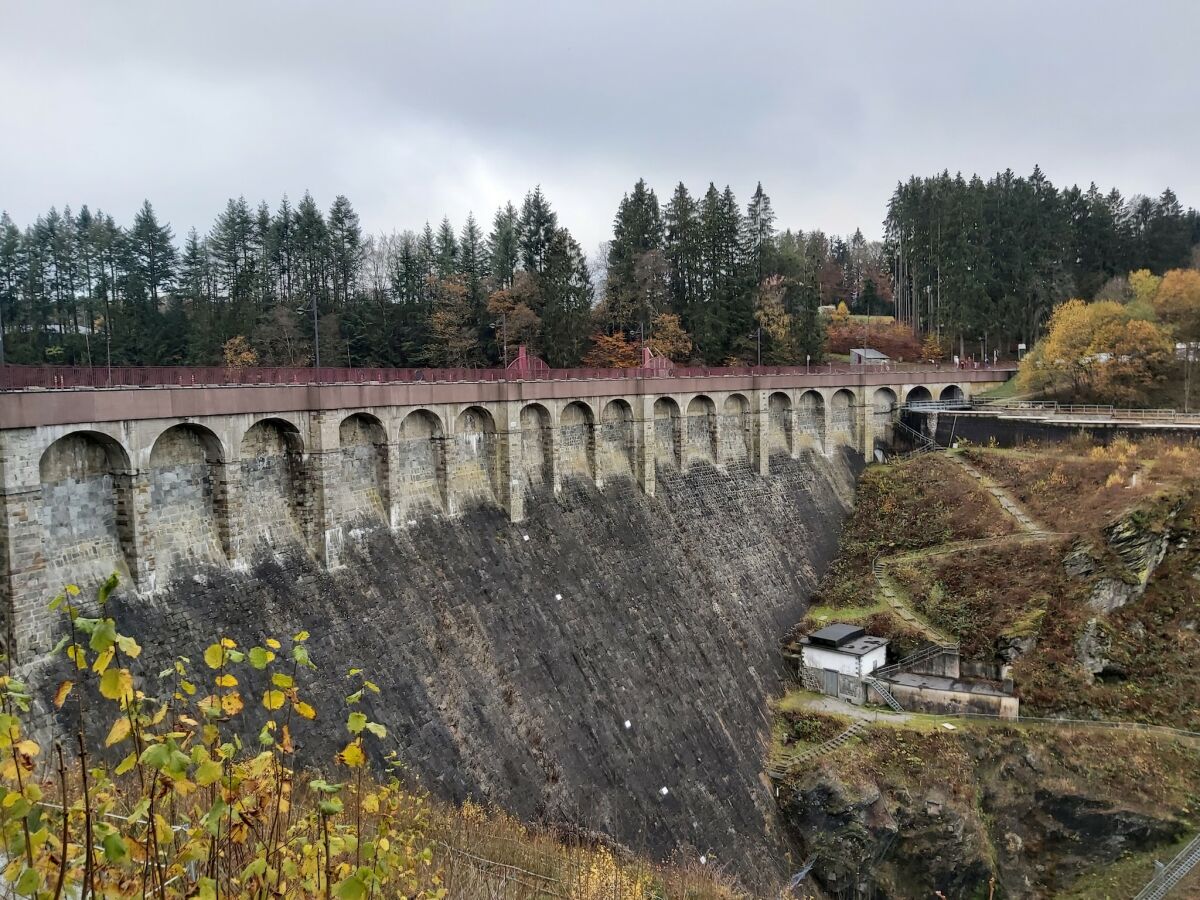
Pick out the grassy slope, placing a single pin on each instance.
(911, 506)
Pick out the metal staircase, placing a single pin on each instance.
(918, 656)
(1172, 873)
(883, 692)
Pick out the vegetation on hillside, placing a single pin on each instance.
(187, 785)
(898, 509)
(991, 809)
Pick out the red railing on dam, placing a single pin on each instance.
(16, 378)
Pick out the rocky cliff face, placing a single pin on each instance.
(907, 813)
(605, 663)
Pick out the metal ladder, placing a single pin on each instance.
(884, 693)
(1172, 873)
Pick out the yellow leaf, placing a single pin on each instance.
(370, 803)
(129, 646)
(300, 637)
(214, 656)
(118, 732)
(60, 696)
(117, 684)
(273, 699)
(285, 741)
(305, 710)
(232, 703)
(103, 659)
(78, 655)
(352, 755)
(29, 748)
(183, 787)
(160, 715)
(208, 772)
(226, 680)
(127, 763)
(227, 643)
(73, 590)
(272, 643)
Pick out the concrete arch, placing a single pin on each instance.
(188, 516)
(476, 476)
(668, 438)
(618, 440)
(87, 509)
(918, 394)
(810, 419)
(537, 444)
(275, 485)
(883, 406)
(577, 440)
(952, 393)
(843, 413)
(735, 429)
(700, 444)
(780, 423)
(422, 471)
(365, 487)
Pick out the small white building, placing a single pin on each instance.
(865, 356)
(840, 656)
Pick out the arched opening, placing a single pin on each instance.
(779, 423)
(667, 438)
(810, 419)
(537, 445)
(274, 484)
(475, 476)
(701, 432)
(188, 518)
(617, 440)
(952, 393)
(883, 406)
(919, 394)
(736, 437)
(421, 462)
(87, 510)
(843, 418)
(577, 440)
(364, 491)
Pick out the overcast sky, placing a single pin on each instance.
(415, 110)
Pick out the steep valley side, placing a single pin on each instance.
(606, 663)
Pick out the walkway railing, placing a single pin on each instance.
(57, 377)
(1172, 873)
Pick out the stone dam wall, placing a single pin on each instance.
(511, 654)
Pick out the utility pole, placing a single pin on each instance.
(316, 336)
(503, 323)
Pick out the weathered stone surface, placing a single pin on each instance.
(509, 665)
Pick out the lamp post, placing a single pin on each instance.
(503, 323)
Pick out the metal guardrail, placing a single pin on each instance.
(929, 651)
(1172, 873)
(13, 377)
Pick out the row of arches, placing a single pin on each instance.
(188, 502)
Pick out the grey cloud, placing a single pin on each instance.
(420, 109)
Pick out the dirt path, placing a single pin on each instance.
(897, 598)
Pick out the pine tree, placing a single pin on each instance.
(504, 247)
(636, 285)
(153, 254)
(346, 250)
(536, 228)
(445, 250)
(759, 234)
(566, 292)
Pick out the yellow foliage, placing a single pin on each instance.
(1098, 351)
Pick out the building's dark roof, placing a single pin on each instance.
(869, 352)
(835, 635)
